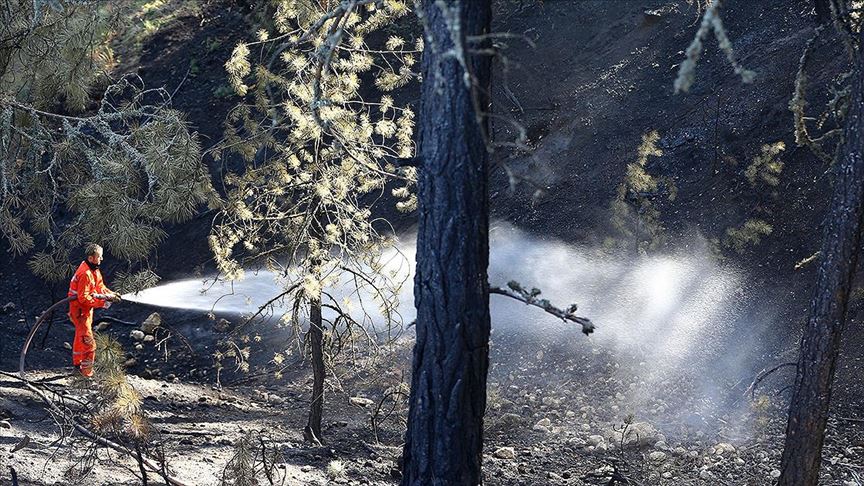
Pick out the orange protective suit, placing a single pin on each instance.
(86, 282)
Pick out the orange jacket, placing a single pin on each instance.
(85, 283)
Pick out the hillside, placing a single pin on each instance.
(587, 81)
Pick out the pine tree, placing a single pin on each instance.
(318, 154)
(112, 169)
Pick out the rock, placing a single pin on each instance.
(552, 475)
(540, 428)
(307, 468)
(667, 475)
(150, 324)
(360, 402)
(148, 338)
(102, 326)
(67, 345)
(577, 442)
(139, 346)
(545, 422)
(7, 307)
(661, 444)
(510, 419)
(222, 325)
(4, 424)
(505, 453)
(775, 473)
(705, 474)
(137, 335)
(276, 399)
(723, 448)
(130, 362)
(595, 440)
(637, 434)
(657, 456)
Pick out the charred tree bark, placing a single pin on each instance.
(820, 344)
(312, 432)
(443, 445)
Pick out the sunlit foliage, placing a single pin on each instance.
(634, 211)
(74, 168)
(319, 152)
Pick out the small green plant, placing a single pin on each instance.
(223, 91)
(766, 167)
(212, 44)
(335, 470)
(634, 211)
(746, 235)
(194, 67)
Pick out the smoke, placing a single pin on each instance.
(682, 332)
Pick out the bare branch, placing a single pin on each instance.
(515, 291)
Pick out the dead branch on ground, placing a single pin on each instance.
(69, 418)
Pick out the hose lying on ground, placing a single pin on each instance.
(49, 312)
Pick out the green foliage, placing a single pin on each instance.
(253, 460)
(746, 235)
(53, 50)
(634, 213)
(317, 151)
(765, 166)
(121, 413)
(114, 174)
(126, 283)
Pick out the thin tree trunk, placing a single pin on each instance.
(823, 10)
(444, 441)
(312, 432)
(820, 345)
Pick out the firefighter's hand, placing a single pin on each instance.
(115, 297)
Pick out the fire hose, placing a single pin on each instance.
(38, 323)
(35, 328)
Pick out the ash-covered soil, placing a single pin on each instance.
(562, 409)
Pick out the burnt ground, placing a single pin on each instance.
(605, 72)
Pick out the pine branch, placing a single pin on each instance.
(87, 432)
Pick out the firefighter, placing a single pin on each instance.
(91, 294)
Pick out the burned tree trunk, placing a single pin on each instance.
(444, 441)
(820, 344)
(312, 432)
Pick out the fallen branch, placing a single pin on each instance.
(850, 419)
(395, 392)
(190, 434)
(764, 374)
(94, 437)
(515, 291)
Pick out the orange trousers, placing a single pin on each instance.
(84, 346)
